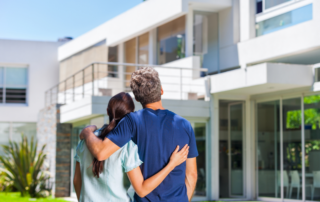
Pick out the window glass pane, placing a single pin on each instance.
(317, 71)
(205, 39)
(259, 6)
(312, 146)
(171, 41)
(272, 3)
(143, 54)
(284, 20)
(268, 149)
(292, 163)
(113, 57)
(200, 133)
(130, 57)
(27, 129)
(16, 77)
(4, 135)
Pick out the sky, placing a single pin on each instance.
(48, 20)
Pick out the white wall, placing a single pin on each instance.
(138, 20)
(43, 72)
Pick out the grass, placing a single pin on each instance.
(15, 197)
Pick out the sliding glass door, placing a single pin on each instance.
(288, 148)
(236, 154)
(268, 149)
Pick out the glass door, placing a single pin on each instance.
(236, 149)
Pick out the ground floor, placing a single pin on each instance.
(259, 147)
(266, 147)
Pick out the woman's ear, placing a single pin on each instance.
(161, 90)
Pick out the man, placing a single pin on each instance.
(157, 132)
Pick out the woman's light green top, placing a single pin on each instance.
(109, 186)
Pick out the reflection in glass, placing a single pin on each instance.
(236, 149)
(113, 57)
(285, 20)
(171, 41)
(292, 156)
(272, 3)
(143, 49)
(231, 161)
(312, 146)
(268, 149)
(200, 133)
(205, 39)
(130, 57)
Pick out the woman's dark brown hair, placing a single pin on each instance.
(119, 105)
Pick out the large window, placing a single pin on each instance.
(171, 40)
(268, 149)
(205, 39)
(284, 20)
(143, 49)
(288, 148)
(13, 85)
(312, 146)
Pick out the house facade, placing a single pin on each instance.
(245, 73)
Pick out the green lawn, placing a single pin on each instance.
(15, 197)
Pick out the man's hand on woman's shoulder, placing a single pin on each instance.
(86, 131)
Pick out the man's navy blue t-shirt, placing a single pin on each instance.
(157, 133)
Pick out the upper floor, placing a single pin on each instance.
(224, 34)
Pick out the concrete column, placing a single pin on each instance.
(316, 10)
(153, 46)
(250, 149)
(213, 189)
(189, 32)
(247, 19)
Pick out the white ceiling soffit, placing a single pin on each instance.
(138, 20)
(262, 78)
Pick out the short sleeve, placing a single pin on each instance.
(130, 157)
(193, 150)
(78, 151)
(123, 132)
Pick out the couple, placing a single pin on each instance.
(145, 144)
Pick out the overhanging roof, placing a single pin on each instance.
(262, 78)
(136, 21)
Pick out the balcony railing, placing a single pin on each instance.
(108, 79)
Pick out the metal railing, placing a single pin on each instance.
(110, 78)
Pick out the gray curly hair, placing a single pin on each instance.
(145, 85)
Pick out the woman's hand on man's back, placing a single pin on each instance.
(178, 157)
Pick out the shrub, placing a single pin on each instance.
(23, 167)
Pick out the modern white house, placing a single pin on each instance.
(245, 73)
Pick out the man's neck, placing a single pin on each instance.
(154, 106)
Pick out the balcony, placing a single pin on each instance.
(108, 79)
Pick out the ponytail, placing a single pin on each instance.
(97, 166)
(119, 105)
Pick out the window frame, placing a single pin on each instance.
(281, 9)
(3, 86)
(193, 121)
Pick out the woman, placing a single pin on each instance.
(103, 180)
